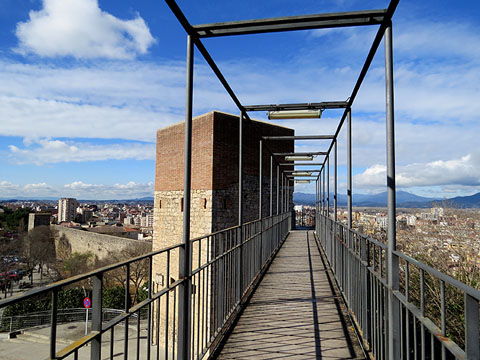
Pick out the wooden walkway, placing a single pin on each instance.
(294, 313)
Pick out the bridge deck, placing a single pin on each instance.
(294, 312)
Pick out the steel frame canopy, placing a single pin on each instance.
(383, 18)
(380, 17)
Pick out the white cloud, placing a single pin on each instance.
(444, 39)
(436, 101)
(79, 28)
(77, 189)
(9, 189)
(47, 151)
(129, 190)
(463, 172)
(110, 100)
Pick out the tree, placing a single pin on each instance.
(39, 247)
(138, 269)
(113, 297)
(64, 248)
(78, 263)
(11, 220)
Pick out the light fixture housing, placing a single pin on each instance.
(301, 173)
(299, 158)
(294, 114)
(302, 181)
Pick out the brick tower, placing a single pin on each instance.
(214, 187)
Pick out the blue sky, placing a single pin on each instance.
(84, 85)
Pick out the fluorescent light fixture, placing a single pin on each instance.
(299, 158)
(294, 114)
(302, 181)
(301, 173)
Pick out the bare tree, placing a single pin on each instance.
(39, 247)
(138, 269)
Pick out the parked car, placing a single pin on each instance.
(14, 275)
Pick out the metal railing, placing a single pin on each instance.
(359, 266)
(43, 318)
(226, 267)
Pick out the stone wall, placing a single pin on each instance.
(168, 225)
(168, 221)
(100, 245)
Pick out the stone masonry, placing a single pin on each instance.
(100, 245)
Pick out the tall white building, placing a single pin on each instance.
(147, 220)
(67, 209)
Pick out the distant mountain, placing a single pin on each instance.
(303, 199)
(472, 201)
(146, 198)
(404, 199)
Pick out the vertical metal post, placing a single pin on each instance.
(323, 184)
(127, 310)
(240, 169)
(260, 187)
(278, 189)
(95, 353)
(240, 201)
(335, 183)
(472, 347)
(287, 201)
(316, 206)
(150, 322)
(271, 185)
(184, 313)
(320, 202)
(394, 346)
(349, 166)
(53, 324)
(282, 191)
(328, 186)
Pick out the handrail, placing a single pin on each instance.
(352, 258)
(216, 297)
(438, 274)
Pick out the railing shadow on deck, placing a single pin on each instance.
(295, 312)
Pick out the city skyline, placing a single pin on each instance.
(81, 103)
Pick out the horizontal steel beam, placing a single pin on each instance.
(300, 153)
(300, 137)
(290, 23)
(302, 106)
